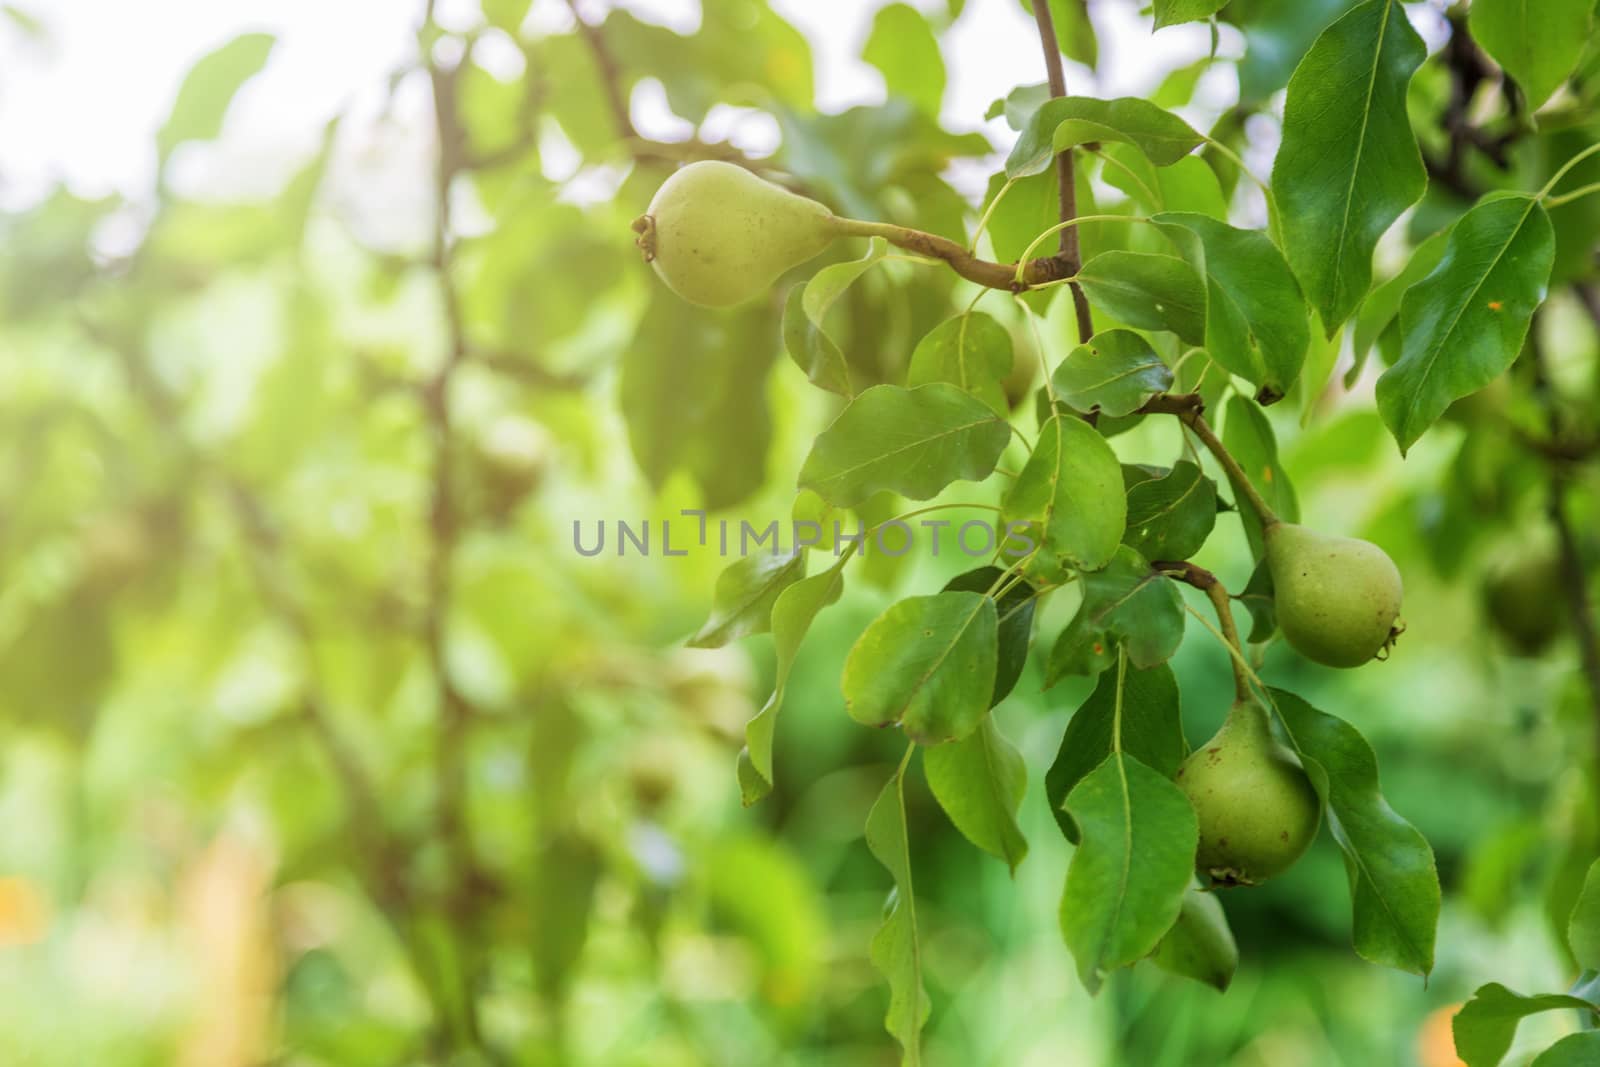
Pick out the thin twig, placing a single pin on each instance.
(1211, 585)
(1071, 250)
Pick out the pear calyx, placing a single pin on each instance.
(1337, 598)
(1257, 810)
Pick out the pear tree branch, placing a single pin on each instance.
(1071, 252)
(1209, 584)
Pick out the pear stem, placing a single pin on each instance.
(982, 271)
(1241, 481)
(1212, 587)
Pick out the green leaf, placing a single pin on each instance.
(1187, 185)
(746, 591)
(1247, 435)
(1255, 315)
(1383, 303)
(896, 951)
(1148, 290)
(979, 782)
(804, 313)
(1129, 602)
(1015, 608)
(1349, 163)
(792, 614)
(927, 663)
(1115, 371)
(914, 442)
(1539, 45)
(1144, 703)
(1067, 121)
(903, 48)
(1126, 883)
(1169, 518)
(1070, 495)
(209, 88)
(1276, 34)
(566, 871)
(1074, 32)
(1394, 886)
(1464, 323)
(1574, 1050)
(1172, 12)
(1258, 601)
(1583, 929)
(1200, 944)
(970, 351)
(1486, 1025)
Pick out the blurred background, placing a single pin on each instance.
(320, 326)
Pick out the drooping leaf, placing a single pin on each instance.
(1539, 45)
(1169, 518)
(1464, 323)
(970, 351)
(1257, 599)
(903, 48)
(746, 591)
(1128, 875)
(1115, 372)
(1144, 705)
(1255, 316)
(1248, 436)
(913, 442)
(1172, 12)
(1148, 290)
(1394, 886)
(979, 782)
(927, 663)
(209, 88)
(792, 615)
(1015, 608)
(1574, 1050)
(1349, 163)
(1073, 120)
(1486, 1025)
(804, 313)
(896, 949)
(1126, 602)
(1583, 929)
(1070, 495)
(1200, 944)
(567, 871)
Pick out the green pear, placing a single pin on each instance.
(1336, 598)
(718, 235)
(1256, 808)
(1524, 597)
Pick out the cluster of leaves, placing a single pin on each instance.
(1184, 302)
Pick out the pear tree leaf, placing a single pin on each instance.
(1258, 601)
(1487, 1024)
(896, 950)
(1114, 372)
(1172, 12)
(792, 614)
(804, 312)
(927, 663)
(1200, 944)
(1068, 121)
(970, 351)
(1383, 303)
(903, 48)
(1539, 45)
(1145, 703)
(1187, 185)
(1574, 1050)
(1128, 602)
(1248, 436)
(1015, 608)
(209, 88)
(1128, 876)
(914, 442)
(1148, 290)
(1394, 886)
(1169, 518)
(1276, 36)
(1069, 494)
(1255, 316)
(1583, 928)
(745, 593)
(979, 782)
(1349, 162)
(1464, 323)
(1074, 32)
